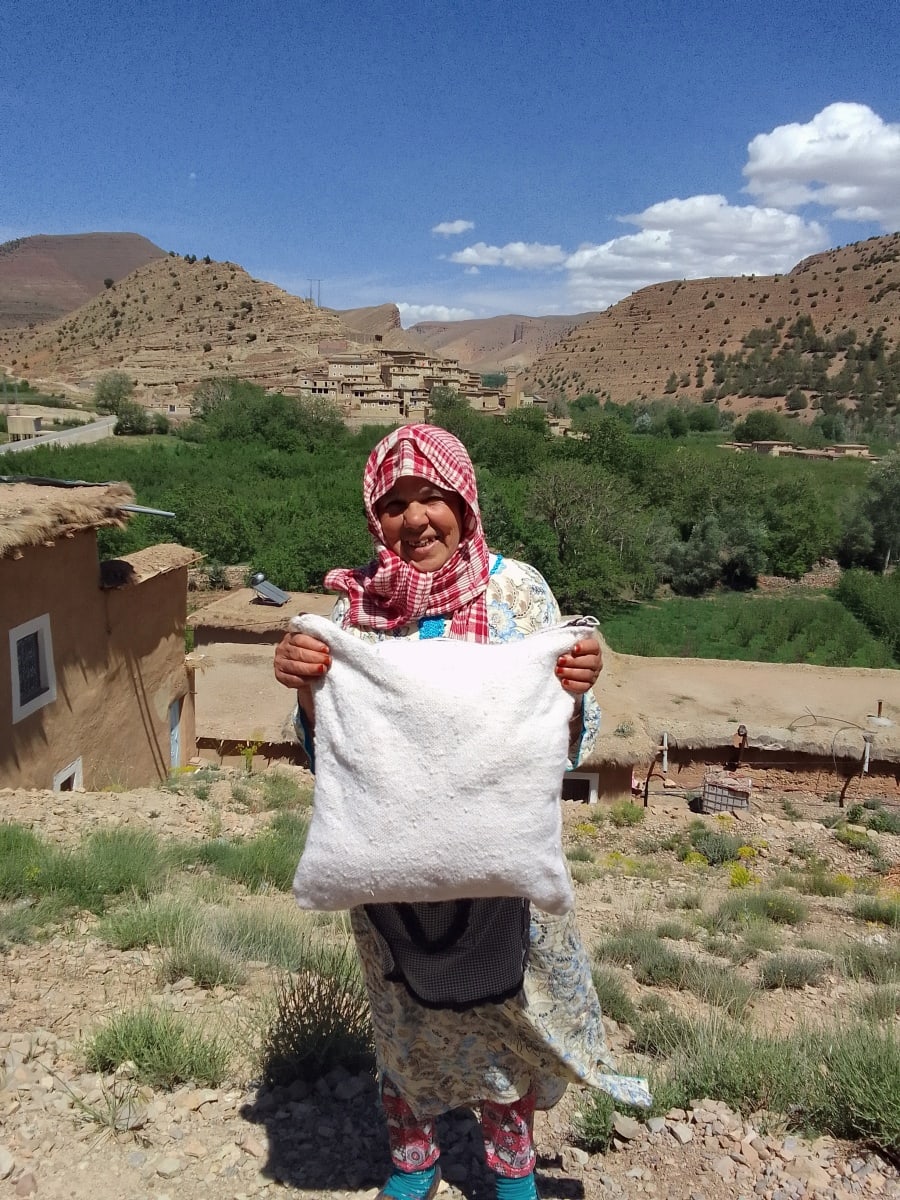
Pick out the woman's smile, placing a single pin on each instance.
(421, 522)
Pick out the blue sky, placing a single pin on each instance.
(459, 159)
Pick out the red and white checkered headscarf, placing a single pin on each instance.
(388, 593)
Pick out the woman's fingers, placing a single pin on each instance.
(579, 670)
(299, 659)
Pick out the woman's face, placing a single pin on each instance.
(420, 522)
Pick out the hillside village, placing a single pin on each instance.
(176, 322)
(734, 839)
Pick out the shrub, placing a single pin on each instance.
(165, 1049)
(740, 877)
(713, 985)
(883, 1004)
(674, 930)
(638, 947)
(626, 814)
(321, 1021)
(856, 839)
(585, 872)
(791, 971)
(158, 922)
(716, 846)
(877, 963)
(874, 816)
(108, 863)
(594, 1122)
(268, 860)
(776, 906)
(581, 854)
(879, 910)
(614, 999)
(262, 933)
(820, 883)
(192, 957)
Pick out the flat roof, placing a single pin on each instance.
(243, 612)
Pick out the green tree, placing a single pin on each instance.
(131, 419)
(112, 390)
(882, 506)
(760, 425)
(695, 566)
(676, 423)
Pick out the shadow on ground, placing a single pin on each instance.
(330, 1136)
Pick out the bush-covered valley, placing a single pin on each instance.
(609, 517)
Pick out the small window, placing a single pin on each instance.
(70, 778)
(31, 667)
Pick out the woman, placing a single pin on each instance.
(492, 1034)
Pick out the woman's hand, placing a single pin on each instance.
(299, 659)
(579, 670)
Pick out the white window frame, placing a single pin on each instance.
(41, 626)
(75, 772)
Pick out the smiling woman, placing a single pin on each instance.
(421, 522)
(485, 1002)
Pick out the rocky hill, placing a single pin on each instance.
(509, 343)
(380, 323)
(630, 350)
(173, 323)
(44, 277)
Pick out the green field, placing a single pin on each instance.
(795, 629)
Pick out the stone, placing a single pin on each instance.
(750, 1155)
(7, 1163)
(681, 1132)
(723, 1167)
(656, 1124)
(168, 1167)
(26, 1185)
(254, 1147)
(626, 1127)
(574, 1159)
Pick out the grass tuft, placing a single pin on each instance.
(165, 1049)
(207, 965)
(883, 1004)
(876, 963)
(880, 910)
(614, 999)
(268, 860)
(791, 971)
(746, 906)
(625, 814)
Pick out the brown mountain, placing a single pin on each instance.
(510, 343)
(380, 323)
(173, 323)
(630, 350)
(44, 277)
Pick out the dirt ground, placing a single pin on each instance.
(327, 1141)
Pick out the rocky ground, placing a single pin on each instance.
(65, 1132)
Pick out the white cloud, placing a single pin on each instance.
(411, 313)
(472, 271)
(519, 256)
(691, 239)
(846, 159)
(449, 228)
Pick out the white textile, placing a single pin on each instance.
(438, 771)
